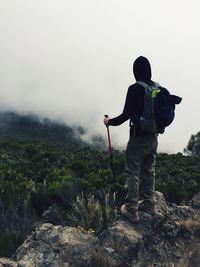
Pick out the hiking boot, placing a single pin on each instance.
(149, 207)
(132, 216)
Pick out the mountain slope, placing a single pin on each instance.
(29, 129)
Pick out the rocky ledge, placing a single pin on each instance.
(168, 241)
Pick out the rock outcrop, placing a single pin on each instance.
(7, 263)
(172, 240)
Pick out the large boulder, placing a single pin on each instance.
(51, 245)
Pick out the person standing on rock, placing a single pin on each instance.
(141, 148)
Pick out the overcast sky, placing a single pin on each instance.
(71, 60)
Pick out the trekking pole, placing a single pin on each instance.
(109, 141)
(111, 164)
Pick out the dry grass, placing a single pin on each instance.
(102, 260)
(192, 225)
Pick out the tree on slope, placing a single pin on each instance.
(193, 146)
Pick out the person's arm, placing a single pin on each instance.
(127, 111)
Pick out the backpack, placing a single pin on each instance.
(159, 108)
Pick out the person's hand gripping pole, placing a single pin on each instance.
(106, 120)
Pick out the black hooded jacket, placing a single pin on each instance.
(134, 103)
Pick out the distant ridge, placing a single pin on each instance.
(29, 128)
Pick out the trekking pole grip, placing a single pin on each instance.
(106, 116)
(109, 140)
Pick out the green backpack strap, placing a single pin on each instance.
(154, 88)
(143, 84)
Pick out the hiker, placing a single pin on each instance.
(141, 148)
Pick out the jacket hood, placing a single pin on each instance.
(142, 69)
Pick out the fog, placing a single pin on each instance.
(72, 60)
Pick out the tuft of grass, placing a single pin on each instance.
(89, 214)
(102, 260)
(192, 225)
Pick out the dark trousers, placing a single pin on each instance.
(140, 169)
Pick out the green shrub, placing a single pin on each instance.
(9, 242)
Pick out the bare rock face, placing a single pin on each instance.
(7, 263)
(118, 245)
(51, 245)
(170, 240)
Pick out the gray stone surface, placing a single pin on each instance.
(51, 245)
(7, 263)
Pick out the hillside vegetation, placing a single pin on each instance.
(48, 173)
